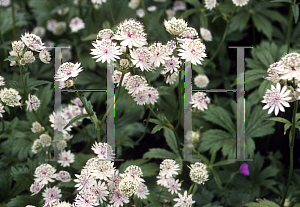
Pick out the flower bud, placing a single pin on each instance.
(124, 63)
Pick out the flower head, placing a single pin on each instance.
(1, 110)
(36, 187)
(33, 102)
(28, 57)
(10, 97)
(44, 56)
(169, 168)
(240, 2)
(198, 173)
(131, 33)
(76, 24)
(184, 200)
(201, 81)
(45, 140)
(189, 33)
(275, 98)
(141, 58)
(106, 51)
(175, 26)
(128, 185)
(67, 70)
(2, 83)
(63, 176)
(200, 101)
(52, 194)
(44, 173)
(18, 47)
(105, 34)
(65, 158)
(103, 150)
(210, 4)
(205, 34)
(192, 50)
(32, 41)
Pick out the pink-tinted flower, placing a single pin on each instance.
(244, 169)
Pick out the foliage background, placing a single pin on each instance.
(261, 24)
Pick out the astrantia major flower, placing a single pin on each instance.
(128, 185)
(101, 169)
(18, 47)
(131, 33)
(10, 97)
(67, 70)
(200, 101)
(98, 1)
(175, 26)
(135, 84)
(184, 200)
(201, 81)
(135, 172)
(65, 158)
(44, 173)
(103, 150)
(210, 4)
(172, 78)
(169, 168)
(198, 173)
(44, 56)
(275, 98)
(192, 50)
(33, 102)
(240, 2)
(76, 24)
(106, 51)
(205, 34)
(171, 65)
(105, 34)
(36, 187)
(28, 57)
(63, 176)
(1, 110)
(100, 190)
(173, 186)
(52, 194)
(141, 58)
(2, 83)
(36, 127)
(289, 66)
(45, 140)
(60, 121)
(37, 146)
(84, 180)
(142, 191)
(32, 41)
(159, 53)
(189, 33)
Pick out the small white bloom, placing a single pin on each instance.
(172, 65)
(10, 97)
(106, 51)
(142, 191)
(118, 198)
(133, 4)
(105, 34)
(52, 194)
(210, 4)
(141, 58)
(2, 83)
(98, 1)
(17, 47)
(84, 180)
(29, 57)
(172, 78)
(86, 198)
(5, 3)
(275, 98)
(200, 101)
(44, 173)
(168, 168)
(205, 34)
(140, 13)
(103, 150)
(159, 53)
(174, 186)
(63, 176)
(76, 24)
(135, 84)
(175, 26)
(100, 190)
(1, 110)
(65, 158)
(51, 24)
(37, 146)
(39, 31)
(152, 8)
(67, 70)
(36, 127)
(45, 140)
(44, 56)
(184, 200)
(192, 50)
(36, 187)
(240, 2)
(101, 169)
(33, 102)
(179, 5)
(201, 81)
(198, 173)
(60, 28)
(128, 185)
(32, 41)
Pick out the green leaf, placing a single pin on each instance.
(157, 128)
(217, 178)
(284, 1)
(279, 119)
(10, 58)
(171, 140)
(77, 118)
(33, 84)
(22, 201)
(262, 203)
(188, 13)
(14, 84)
(215, 139)
(276, 16)
(7, 109)
(22, 147)
(295, 9)
(223, 162)
(160, 154)
(90, 37)
(239, 21)
(263, 25)
(22, 176)
(195, 3)
(220, 116)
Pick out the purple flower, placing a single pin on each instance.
(244, 169)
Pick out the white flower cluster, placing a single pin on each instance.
(10, 97)
(34, 43)
(45, 174)
(99, 181)
(198, 173)
(200, 101)
(285, 70)
(33, 102)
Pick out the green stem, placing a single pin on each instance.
(291, 144)
(145, 17)
(180, 98)
(289, 28)
(13, 19)
(90, 113)
(178, 143)
(222, 41)
(147, 122)
(23, 84)
(111, 13)
(117, 96)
